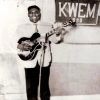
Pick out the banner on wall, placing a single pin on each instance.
(85, 12)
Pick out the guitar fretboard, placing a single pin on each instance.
(51, 32)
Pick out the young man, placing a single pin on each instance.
(34, 72)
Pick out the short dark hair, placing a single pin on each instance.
(34, 6)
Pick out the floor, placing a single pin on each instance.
(75, 97)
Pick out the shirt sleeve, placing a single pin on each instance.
(57, 33)
(28, 63)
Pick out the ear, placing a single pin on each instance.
(40, 16)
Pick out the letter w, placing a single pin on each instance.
(73, 9)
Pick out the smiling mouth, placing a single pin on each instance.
(34, 20)
(34, 17)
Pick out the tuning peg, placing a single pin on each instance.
(65, 24)
(73, 23)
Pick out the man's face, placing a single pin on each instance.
(34, 15)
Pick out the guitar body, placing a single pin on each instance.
(35, 47)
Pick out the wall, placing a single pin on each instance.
(75, 68)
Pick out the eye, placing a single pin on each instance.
(34, 12)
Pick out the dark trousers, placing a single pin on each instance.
(32, 82)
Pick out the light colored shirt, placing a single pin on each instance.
(27, 30)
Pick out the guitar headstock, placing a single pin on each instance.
(57, 26)
(69, 23)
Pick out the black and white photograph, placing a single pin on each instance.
(49, 49)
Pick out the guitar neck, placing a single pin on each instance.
(52, 32)
(71, 23)
(54, 29)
